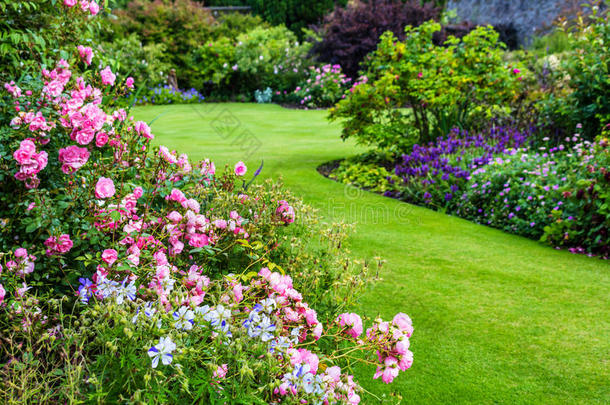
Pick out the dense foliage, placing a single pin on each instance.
(417, 91)
(350, 33)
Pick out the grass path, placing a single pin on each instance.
(498, 318)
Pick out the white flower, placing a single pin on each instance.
(162, 351)
(184, 318)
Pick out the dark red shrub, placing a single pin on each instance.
(350, 33)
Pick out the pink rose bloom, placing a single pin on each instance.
(220, 223)
(86, 54)
(311, 317)
(176, 195)
(264, 273)
(110, 256)
(104, 188)
(160, 258)
(94, 8)
(70, 3)
(406, 361)
(2, 293)
(108, 77)
(516, 71)
(199, 240)
(73, 158)
(174, 216)
(143, 129)
(129, 82)
(21, 252)
(101, 138)
(138, 192)
(317, 331)
(334, 373)
(353, 321)
(403, 322)
(84, 136)
(240, 168)
(402, 346)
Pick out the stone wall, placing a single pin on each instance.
(527, 16)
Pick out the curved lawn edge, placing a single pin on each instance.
(326, 169)
(497, 317)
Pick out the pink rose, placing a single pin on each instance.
(353, 321)
(94, 8)
(138, 192)
(85, 53)
(143, 129)
(2, 293)
(199, 240)
(108, 77)
(240, 168)
(403, 322)
(109, 256)
(104, 188)
(84, 136)
(73, 158)
(101, 138)
(129, 82)
(174, 216)
(21, 252)
(70, 3)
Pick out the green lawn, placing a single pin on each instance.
(498, 318)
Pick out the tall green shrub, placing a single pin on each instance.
(415, 91)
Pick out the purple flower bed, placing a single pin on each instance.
(168, 95)
(435, 172)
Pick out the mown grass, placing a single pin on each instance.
(498, 318)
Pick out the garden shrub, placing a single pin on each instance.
(147, 64)
(33, 30)
(415, 91)
(271, 57)
(140, 275)
(349, 34)
(180, 25)
(324, 87)
(586, 71)
(294, 14)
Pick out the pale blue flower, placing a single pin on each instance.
(162, 351)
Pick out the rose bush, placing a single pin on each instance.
(140, 275)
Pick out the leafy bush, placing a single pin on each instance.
(180, 25)
(324, 87)
(585, 70)
(33, 30)
(128, 57)
(351, 33)
(462, 84)
(294, 14)
(271, 57)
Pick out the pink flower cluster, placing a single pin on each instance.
(285, 212)
(86, 5)
(85, 53)
(58, 245)
(294, 312)
(23, 263)
(392, 340)
(30, 163)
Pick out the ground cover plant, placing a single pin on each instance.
(117, 255)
